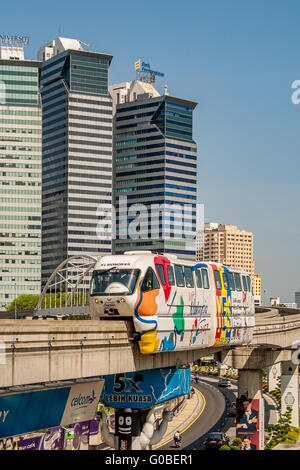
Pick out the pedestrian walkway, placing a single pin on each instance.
(192, 409)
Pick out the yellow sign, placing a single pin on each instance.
(137, 65)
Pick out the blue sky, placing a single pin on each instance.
(237, 59)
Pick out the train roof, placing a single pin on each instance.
(134, 257)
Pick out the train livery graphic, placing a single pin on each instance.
(175, 304)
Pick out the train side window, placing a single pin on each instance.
(150, 281)
(198, 278)
(238, 284)
(218, 279)
(205, 279)
(249, 284)
(171, 277)
(179, 276)
(245, 285)
(188, 274)
(231, 281)
(161, 273)
(225, 281)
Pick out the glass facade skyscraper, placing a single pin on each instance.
(155, 160)
(20, 178)
(77, 155)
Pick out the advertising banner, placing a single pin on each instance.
(144, 389)
(53, 439)
(73, 437)
(250, 423)
(22, 413)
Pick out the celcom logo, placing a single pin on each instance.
(83, 400)
(2, 92)
(2, 353)
(296, 353)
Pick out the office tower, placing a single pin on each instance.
(228, 245)
(77, 151)
(155, 160)
(20, 174)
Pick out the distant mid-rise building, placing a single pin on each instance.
(226, 244)
(155, 164)
(256, 286)
(290, 304)
(20, 175)
(77, 151)
(297, 299)
(274, 301)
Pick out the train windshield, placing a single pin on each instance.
(114, 281)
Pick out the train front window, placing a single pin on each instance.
(114, 281)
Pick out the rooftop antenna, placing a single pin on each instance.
(166, 90)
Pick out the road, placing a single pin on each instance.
(215, 416)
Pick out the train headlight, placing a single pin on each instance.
(122, 299)
(96, 301)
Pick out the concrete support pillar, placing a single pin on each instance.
(273, 374)
(222, 369)
(290, 390)
(250, 383)
(250, 408)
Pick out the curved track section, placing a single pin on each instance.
(209, 420)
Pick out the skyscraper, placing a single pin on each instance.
(77, 151)
(155, 160)
(20, 175)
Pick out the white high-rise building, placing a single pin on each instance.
(20, 175)
(77, 152)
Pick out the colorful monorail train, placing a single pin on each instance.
(175, 304)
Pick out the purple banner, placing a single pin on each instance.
(72, 438)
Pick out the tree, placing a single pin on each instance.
(23, 302)
(279, 432)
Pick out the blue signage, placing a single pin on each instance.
(144, 389)
(26, 412)
(21, 413)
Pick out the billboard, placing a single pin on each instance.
(144, 389)
(25, 412)
(74, 437)
(250, 423)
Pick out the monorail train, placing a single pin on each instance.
(175, 304)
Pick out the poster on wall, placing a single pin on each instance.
(250, 423)
(9, 443)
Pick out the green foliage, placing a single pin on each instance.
(235, 448)
(237, 441)
(225, 447)
(282, 432)
(78, 317)
(23, 302)
(29, 301)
